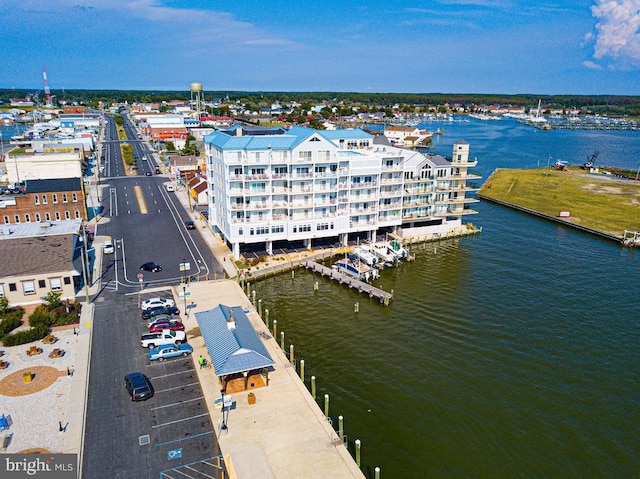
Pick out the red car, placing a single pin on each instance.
(173, 325)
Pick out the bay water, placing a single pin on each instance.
(514, 353)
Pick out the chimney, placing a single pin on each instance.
(231, 323)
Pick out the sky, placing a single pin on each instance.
(574, 47)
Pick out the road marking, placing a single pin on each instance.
(172, 374)
(179, 403)
(180, 420)
(184, 438)
(177, 387)
(142, 204)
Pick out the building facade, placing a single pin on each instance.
(43, 201)
(303, 184)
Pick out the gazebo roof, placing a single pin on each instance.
(232, 349)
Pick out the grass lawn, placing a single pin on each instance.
(597, 201)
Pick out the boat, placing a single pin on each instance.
(383, 253)
(396, 248)
(363, 253)
(356, 269)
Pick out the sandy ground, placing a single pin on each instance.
(37, 408)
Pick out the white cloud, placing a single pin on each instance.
(590, 65)
(617, 37)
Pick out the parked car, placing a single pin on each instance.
(151, 340)
(167, 351)
(155, 302)
(162, 318)
(148, 173)
(138, 386)
(190, 225)
(158, 310)
(151, 266)
(170, 188)
(173, 325)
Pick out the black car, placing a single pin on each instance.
(151, 266)
(190, 225)
(138, 386)
(158, 310)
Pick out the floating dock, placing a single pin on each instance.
(362, 287)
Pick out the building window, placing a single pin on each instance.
(13, 287)
(37, 217)
(47, 216)
(1, 290)
(67, 215)
(6, 220)
(41, 283)
(44, 199)
(77, 214)
(54, 198)
(74, 197)
(304, 155)
(57, 216)
(16, 219)
(27, 218)
(64, 197)
(67, 280)
(28, 287)
(36, 198)
(56, 284)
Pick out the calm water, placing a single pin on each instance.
(511, 354)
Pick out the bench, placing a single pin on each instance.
(56, 353)
(33, 350)
(49, 339)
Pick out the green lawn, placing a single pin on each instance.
(601, 202)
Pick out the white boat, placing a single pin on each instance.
(382, 252)
(363, 253)
(396, 248)
(356, 269)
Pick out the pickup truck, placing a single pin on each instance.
(166, 336)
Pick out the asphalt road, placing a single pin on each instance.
(125, 439)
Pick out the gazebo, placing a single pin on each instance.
(236, 351)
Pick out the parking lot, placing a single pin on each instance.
(141, 439)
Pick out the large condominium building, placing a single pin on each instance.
(271, 185)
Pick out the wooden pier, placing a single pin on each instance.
(342, 278)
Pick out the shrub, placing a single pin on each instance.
(4, 305)
(8, 324)
(25, 336)
(52, 299)
(41, 316)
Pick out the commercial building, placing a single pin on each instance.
(271, 185)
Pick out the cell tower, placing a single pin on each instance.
(196, 96)
(47, 92)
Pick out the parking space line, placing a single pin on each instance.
(177, 387)
(172, 374)
(183, 438)
(180, 420)
(177, 403)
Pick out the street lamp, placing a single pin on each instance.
(224, 423)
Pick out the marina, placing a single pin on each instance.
(350, 281)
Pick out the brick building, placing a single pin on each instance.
(45, 200)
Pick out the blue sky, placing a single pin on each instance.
(438, 46)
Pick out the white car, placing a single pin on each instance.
(108, 246)
(154, 302)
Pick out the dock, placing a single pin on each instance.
(353, 283)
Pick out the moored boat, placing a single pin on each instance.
(363, 253)
(356, 269)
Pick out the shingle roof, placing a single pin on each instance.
(36, 255)
(232, 350)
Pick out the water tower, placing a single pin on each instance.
(196, 96)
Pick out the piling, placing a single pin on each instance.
(282, 340)
(313, 387)
(260, 308)
(248, 288)
(302, 370)
(376, 473)
(253, 296)
(326, 405)
(356, 307)
(358, 452)
(315, 286)
(266, 317)
(275, 328)
(340, 427)
(291, 360)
